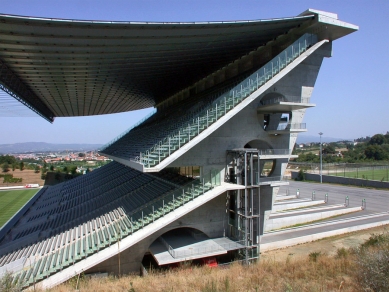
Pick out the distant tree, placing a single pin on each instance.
(51, 167)
(377, 139)
(37, 168)
(65, 169)
(300, 176)
(13, 166)
(7, 158)
(81, 154)
(87, 170)
(73, 169)
(5, 167)
(375, 152)
(329, 149)
(21, 165)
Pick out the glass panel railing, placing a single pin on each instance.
(294, 99)
(274, 151)
(268, 179)
(209, 115)
(288, 126)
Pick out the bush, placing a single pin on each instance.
(372, 260)
(300, 176)
(7, 285)
(342, 253)
(313, 256)
(8, 178)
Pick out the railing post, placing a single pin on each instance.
(346, 201)
(313, 195)
(225, 104)
(326, 198)
(143, 222)
(169, 145)
(198, 125)
(189, 131)
(216, 112)
(153, 213)
(207, 118)
(363, 204)
(173, 201)
(159, 154)
(163, 207)
(179, 139)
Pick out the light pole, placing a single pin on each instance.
(321, 160)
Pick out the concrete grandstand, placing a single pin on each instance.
(197, 177)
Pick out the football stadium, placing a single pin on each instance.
(193, 181)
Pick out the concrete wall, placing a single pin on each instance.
(211, 218)
(344, 180)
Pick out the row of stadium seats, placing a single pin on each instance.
(84, 229)
(81, 206)
(57, 252)
(158, 138)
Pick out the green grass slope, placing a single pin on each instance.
(12, 201)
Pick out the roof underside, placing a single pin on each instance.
(79, 68)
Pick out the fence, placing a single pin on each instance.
(347, 170)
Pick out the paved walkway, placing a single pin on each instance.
(376, 213)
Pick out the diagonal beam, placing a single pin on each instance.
(11, 84)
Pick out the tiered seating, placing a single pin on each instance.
(83, 216)
(160, 136)
(164, 123)
(172, 176)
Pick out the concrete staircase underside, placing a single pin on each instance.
(134, 238)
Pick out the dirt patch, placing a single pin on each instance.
(328, 245)
(28, 176)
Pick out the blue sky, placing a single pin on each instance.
(351, 92)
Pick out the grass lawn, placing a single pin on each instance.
(377, 174)
(12, 201)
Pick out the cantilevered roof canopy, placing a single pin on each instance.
(66, 68)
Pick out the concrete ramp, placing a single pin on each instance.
(301, 203)
(284, 197)
(294, 236)
(286, 219)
